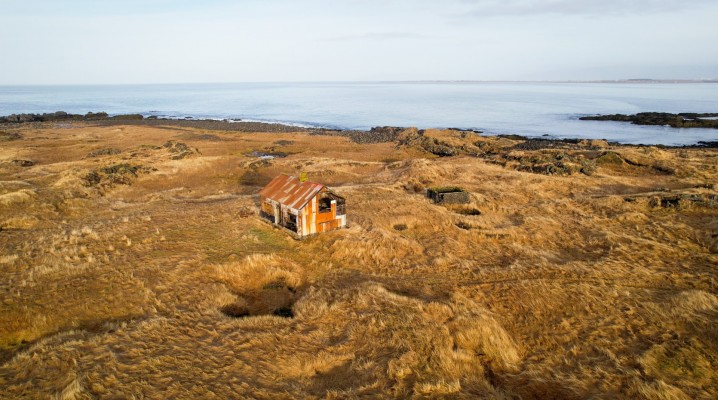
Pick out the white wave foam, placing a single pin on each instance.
(306, 125)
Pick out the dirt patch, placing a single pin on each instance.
(274, 298)
(464, 225)
(239, 310)
(254, 178)
(9, 136)
(235, 310)
(467, 211)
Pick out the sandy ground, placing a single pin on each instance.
(135, 270)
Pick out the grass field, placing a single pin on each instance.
(128, 271)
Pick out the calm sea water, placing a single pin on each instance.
(531, 109)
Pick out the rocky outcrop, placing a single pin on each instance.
(23, 163)
(127, 117)
(379, 134)
(179, 150)
(435, 146)
(63, 116)
(104, 152)
(681, 120)
(110, 176)
(438, 148)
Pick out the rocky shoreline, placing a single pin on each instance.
(381, 134)
(680, 120)
(60, 116)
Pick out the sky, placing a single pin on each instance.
(183, 41)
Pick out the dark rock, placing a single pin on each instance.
(179, 150)
(90, 116)
(513, 137)
(23, 163)
(382, 134)
(104, 152)
(610, 158)
(708, 145)
(121, 169)
(464, 225)
(400, 227)
(680, 120)
(466, 130)
(175, 147)
(438, 148)
(127, 117)
(684, 201)
(63, 116)
(92, 178)
(28, 118)
(588, 167)
(540, 144)
(117, 174)
(548, 169)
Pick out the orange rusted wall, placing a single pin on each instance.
(327, 216)
(267, 208)
(307, 217)
(328, 226)
(313, 221)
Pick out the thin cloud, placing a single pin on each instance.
(487, 8)
(379, 36)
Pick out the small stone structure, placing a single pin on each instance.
(448, 195)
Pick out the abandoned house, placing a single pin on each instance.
(304, 208)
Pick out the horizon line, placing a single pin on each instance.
(417, 81)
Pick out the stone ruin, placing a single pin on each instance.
(448, 195)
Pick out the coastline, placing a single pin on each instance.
(378, 134)
(528, 109)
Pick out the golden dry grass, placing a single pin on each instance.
(562, 287)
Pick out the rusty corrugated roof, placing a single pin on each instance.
(287, 190)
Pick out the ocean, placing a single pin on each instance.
(529, 109)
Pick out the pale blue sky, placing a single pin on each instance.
(177, 41)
